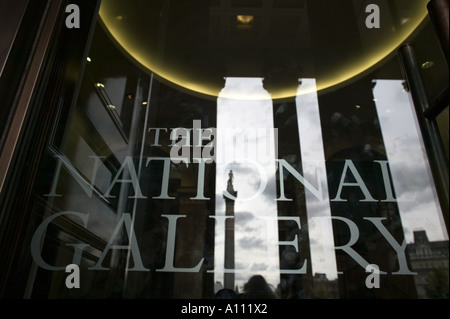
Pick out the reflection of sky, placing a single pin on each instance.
(412, 179)
(253, 165)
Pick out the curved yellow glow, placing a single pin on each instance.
(366, 64)
(359, 67)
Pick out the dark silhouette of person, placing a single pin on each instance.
(258, 288)
(226, 294)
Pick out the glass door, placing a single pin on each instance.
(238, 149)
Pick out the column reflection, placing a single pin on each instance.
(414, 189)
(323, 258)
(246, 145)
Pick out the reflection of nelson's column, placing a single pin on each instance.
(229, 233)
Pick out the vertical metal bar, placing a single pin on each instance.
(12, 137)
(429, 129)
(438, 11)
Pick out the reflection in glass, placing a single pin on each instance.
(429, 259)
(246, 145)
(414, 189)
(267, 212)
(313, 165)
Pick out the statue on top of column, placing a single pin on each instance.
(230, 187)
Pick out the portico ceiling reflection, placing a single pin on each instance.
(194, 45)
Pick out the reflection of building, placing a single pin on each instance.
(430, 261)
(229, 233)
